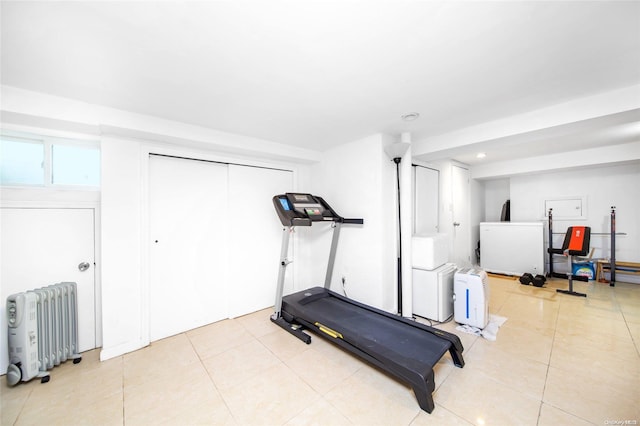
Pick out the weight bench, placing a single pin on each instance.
(576, 243)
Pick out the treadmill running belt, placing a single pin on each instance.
(368, 330)
(376, 331)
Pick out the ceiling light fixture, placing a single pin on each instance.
(481, 155)
(397, 150)
(410, 116)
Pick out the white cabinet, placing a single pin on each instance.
(433, 292)
(566, 208)
(512, 248)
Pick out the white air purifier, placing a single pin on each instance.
(471, 297)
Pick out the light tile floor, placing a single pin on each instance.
(558, 360)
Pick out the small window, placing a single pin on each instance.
(21, 162)
(75, 165)
(48, 161)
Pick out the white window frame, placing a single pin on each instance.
(48, 142)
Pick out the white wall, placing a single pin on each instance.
(445, 214)
(582, 115)
(39, 110)
(126, 138)
(357, 179)
(477, 207)
(624, 153)
(121, 247)
(497, 191)
(603, 187)
(125, 235)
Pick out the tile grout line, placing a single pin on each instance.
(546, 376)
(259, 341)
(122, 385)
(24, 404)
(200, 360)
(302, 379)
(626, 323)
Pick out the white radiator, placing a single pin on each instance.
(43, 331)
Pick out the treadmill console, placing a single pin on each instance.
(297, 209)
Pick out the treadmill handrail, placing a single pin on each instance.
(337, 217)
(290, 216)
(290, 219)
(353, 221)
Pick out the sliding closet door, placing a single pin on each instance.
(188, 214)
(426, 200)
(256, 235)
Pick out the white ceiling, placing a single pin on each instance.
(316, 74)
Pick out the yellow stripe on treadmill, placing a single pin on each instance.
(327, 330)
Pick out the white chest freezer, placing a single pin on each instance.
(512, 248)
(471, 297)
(433, 292)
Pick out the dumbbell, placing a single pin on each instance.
(539, 280)
(526, 278)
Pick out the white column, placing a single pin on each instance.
(406, 221)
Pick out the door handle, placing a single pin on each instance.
(84, 266)
(456, 223)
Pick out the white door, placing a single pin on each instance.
(256, 237)
(188, 227)
(41, 247)
(461, 216)
(426, 200)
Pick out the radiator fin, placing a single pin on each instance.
(43, 329)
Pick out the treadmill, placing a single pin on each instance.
(403, 348)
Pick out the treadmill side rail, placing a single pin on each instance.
(290, 328)
(405, 349)
(422, 383)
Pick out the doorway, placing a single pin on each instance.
(187, 256)
(460, 191)
(426, 200)
(214, 241)
(44, 246)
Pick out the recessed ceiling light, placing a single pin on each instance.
(410, 116)
(481, 155)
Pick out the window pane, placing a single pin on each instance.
(75, 165)
(21, 162)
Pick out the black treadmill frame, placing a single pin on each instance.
(421, 379)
